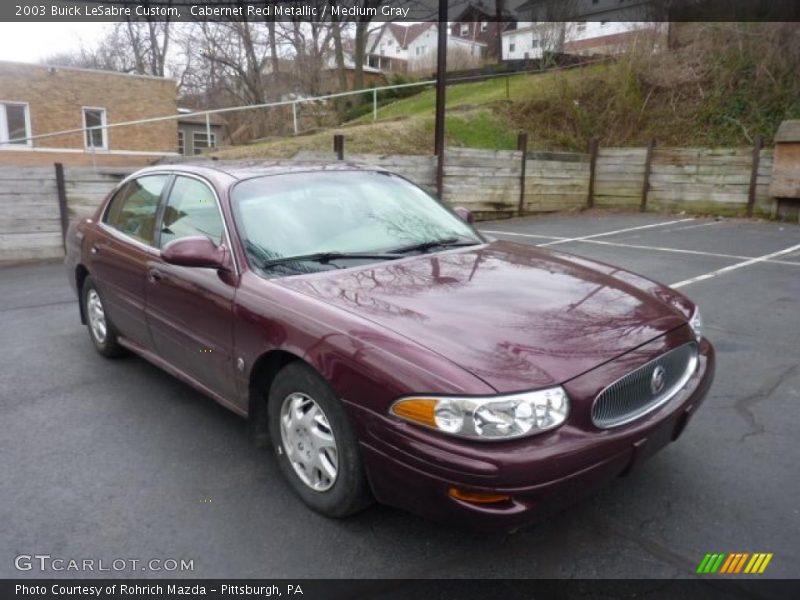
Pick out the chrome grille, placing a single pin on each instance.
(637, 393)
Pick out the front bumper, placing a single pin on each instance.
(413, 469)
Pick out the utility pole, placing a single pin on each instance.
(441, 74)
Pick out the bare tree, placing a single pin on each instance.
(127, 47)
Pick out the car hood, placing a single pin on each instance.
(516, 316)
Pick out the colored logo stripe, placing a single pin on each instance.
(735, 563)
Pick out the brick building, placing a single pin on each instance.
(476, 23)
(36, 100)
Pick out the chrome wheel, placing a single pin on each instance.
(308, 442)
(97, 316)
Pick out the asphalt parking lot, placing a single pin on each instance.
(116, 459)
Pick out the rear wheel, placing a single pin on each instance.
(101, 331)
(315, 444)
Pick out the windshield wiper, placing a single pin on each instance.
(452, 242)
(326, 257)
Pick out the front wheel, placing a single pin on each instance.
(101, 331)
(314, 443)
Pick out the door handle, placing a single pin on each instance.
(154, 276)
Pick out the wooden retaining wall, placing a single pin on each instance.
(30, 214)
(488, 182)
(30, 221)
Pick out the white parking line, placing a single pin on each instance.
(662, 249)
(730, 268)
(641, 247)
(597, 235)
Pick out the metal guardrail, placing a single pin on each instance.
(294, 103)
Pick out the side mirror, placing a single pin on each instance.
(196, 251)
(465, 214)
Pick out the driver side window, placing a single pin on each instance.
(191, 210)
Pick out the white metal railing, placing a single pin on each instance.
(294, 104)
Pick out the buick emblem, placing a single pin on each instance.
(658, 379)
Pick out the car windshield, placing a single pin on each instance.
(340, 219)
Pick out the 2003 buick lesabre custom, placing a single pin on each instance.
(386, 348)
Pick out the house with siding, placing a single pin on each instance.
(196, 134)
(36, 100)
(584, 27)
(407, 48)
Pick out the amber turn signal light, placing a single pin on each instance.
(477, 497)
(420, 410)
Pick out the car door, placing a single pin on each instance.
(189, 309)
(119, 251)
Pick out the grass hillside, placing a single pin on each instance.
(727, 84)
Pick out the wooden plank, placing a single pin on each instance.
(14, 241)
(604, 168)
(703, 188)
(788, 131)
(735, 179)
(555, 174)
(557, 166)
(581, 188)
(691, 196)
(29, 225)
(472, 172)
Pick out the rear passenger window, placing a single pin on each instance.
(191, 210)
(133, 210)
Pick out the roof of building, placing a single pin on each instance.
(83, 70)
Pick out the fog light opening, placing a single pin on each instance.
(477, 497)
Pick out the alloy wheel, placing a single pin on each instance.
(309, 442)
(97, 316)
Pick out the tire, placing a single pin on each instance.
(304, 448)
(101, 330)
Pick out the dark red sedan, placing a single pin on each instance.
(385, 347)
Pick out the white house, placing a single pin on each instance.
(531, 39)
(612, 37)
(396, 47)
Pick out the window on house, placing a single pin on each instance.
(421, 50)
(484, 25)
(535, 43)
(14, 124)
(181, 143)
(512, 46)
(200, 141)
(94, 121)
(465, 29)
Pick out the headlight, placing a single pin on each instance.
(696, 323)
(487, 418)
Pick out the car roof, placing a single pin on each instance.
(246, 169)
